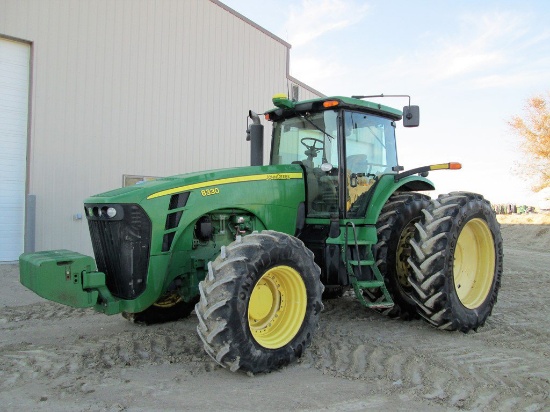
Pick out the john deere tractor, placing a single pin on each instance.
(254, 250)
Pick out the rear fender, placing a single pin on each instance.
(387, 186)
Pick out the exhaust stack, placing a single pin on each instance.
(255, 134)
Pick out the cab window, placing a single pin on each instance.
(370, 151)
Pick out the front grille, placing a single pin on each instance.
(121, 247)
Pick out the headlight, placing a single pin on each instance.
(103, 212)
(111, 212)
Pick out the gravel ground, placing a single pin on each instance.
(57, 358)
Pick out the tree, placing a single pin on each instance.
(534, 132)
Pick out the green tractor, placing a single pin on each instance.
(254, 250)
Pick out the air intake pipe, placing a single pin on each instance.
(255, 134)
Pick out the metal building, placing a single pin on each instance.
(99, 93)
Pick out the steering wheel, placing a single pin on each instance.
(312, 147)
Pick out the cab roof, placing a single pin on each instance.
(333, 102)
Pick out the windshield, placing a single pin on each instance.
(309, 139)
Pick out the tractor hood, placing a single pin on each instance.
(199, 181)
(169, 205)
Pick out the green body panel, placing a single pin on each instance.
(265, 191)
(271, 194)
(265, 197)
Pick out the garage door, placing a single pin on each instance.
(14, 95)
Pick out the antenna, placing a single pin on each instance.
(411, 114)
(383, 95)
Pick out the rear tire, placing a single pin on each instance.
(395, 228)
(260, 302)
(457, 262)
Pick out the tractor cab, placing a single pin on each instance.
(343, 145)
(347, 150)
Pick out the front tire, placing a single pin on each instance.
(457, 262)
(260, 302)
(169, 308)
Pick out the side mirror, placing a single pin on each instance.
(411, 116)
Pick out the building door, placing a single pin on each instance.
(14, 107)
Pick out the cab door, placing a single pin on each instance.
(369, 145)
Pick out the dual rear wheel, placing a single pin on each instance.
(456, 262)
(441, 259)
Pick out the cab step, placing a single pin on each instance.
(354, 267)
(361, 262)
(370, 284)
(381, 305)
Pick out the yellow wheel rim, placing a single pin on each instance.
(402, 255)
(277, 307)
(167, 301)
(474, 263)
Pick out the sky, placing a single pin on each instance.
(469, 65)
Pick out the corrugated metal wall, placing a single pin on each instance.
(136, 87)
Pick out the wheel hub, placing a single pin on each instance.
(277, 307)
(263, 299)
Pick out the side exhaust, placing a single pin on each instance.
(255, 134)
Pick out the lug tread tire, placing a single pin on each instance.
(396, 214)
(223, 307)
(432, 261)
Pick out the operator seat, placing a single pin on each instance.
(357, 163)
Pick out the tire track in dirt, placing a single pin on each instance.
(40, 311)
(352, 343)
(479, 371)
(94, 355)
(504, 366)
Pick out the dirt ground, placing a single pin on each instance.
(57, 358)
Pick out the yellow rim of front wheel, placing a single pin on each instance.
(474, 263)
(167, 301)
(277, 307)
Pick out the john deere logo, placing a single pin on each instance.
(278, 176)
